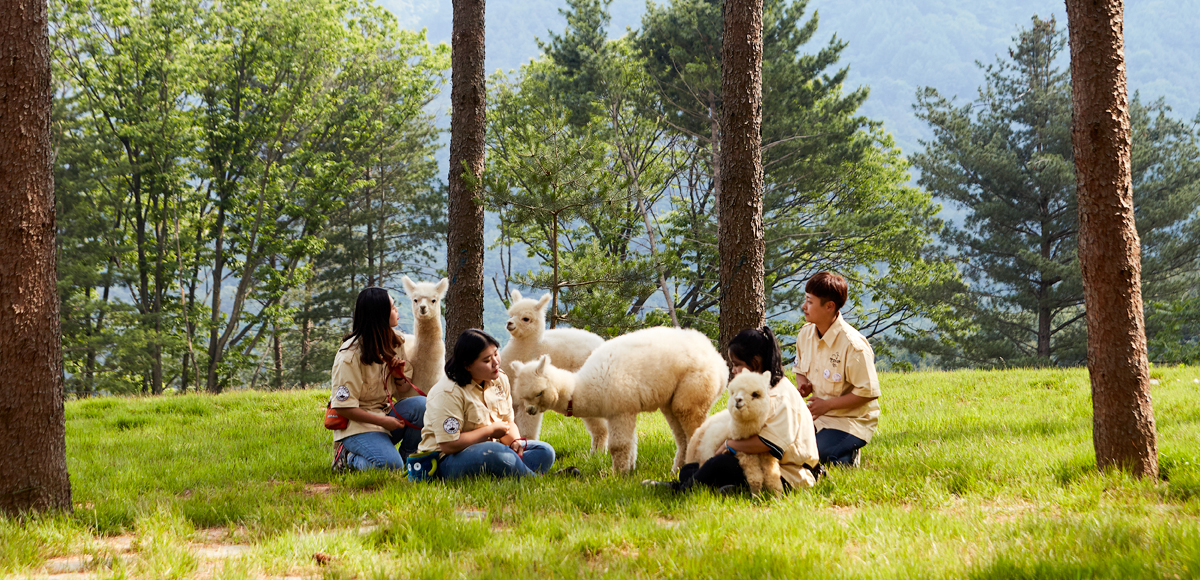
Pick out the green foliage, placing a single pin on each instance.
(204, 148)
(1007, 161)
(834, 194)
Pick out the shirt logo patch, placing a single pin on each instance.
(342, 393)
(450, 425)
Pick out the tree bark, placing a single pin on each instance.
(33, 459)
(1109, 250)
(464, 244)
(739, 207)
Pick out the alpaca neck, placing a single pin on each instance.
(564, 382)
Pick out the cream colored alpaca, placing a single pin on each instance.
(426, 348)
(672, 370)
(569, 347)
(748, 410)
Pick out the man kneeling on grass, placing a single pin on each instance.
(835, 364)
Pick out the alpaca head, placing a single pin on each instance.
(750, 397)
(532, 385)
(425, 297)
(526, 316)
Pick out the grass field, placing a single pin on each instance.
(972, 475)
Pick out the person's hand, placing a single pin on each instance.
(497, 430)
(518, 446)
(804, 385)
(391, 423)
(724, 448)
(819, 407)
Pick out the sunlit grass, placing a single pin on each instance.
(972, 474)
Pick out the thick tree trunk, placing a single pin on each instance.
(1109, 251)
(464, 244)
(739, 209)
(33, 459)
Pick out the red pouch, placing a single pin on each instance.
(333, 421)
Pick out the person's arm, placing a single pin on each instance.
(465, 440)
(753, 445)
(362, 416)
(804, 385)
(511, 436)
(819, 407)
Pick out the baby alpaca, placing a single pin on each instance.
(748, 410)
(426, 349)
(673, 370)
(569, 347)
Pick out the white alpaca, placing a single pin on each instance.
(748, 410)
(569, 347)
(426, 349)
(669, 369)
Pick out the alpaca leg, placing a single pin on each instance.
(681, 438)
(771, 475)
(622, 442)
(530, 426)
(688, 416)
(753, 470)
(598, 428)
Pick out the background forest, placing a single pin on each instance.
(230, 174)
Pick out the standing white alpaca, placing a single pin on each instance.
(426, 349)
(748, 410)
(568, 347)
(673, 370)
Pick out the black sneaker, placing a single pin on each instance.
(340, 460)
(727, 490)
(571, 471)
(655, 484)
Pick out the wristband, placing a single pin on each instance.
(731, 450)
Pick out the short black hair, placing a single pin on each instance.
(753, 342)
(467, 348)
(828, 286)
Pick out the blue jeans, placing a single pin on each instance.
(496, 459)
(376, 450)
(838, 447)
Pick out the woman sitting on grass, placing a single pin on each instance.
(469, 428)
(364, 387)
(788, 435)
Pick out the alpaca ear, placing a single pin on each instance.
(408, 285)
(516, 296)
(767, 375)
(442, 287)
(545, 300)
(541, 365)
(517, 366)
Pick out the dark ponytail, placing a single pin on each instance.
(753, 342)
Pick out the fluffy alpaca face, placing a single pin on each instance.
(526, 316)
(750, 397)
(532, 387)
(426, 297)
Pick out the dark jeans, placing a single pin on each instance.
(719, 471)
(838, 447)
(494, 458)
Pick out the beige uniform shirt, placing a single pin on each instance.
(451, 410)
(840, 362)
(790, 436)
(364, 386)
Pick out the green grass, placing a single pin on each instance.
(972, 474)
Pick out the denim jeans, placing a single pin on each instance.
(838, 447)
(496, 459)
(376, 450)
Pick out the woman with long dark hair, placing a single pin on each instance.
(469, 428)
(382, 409)
(788, 434)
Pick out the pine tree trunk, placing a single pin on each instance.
(464, 244)
(1109, 251)
(739, 217)
(33, 459)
